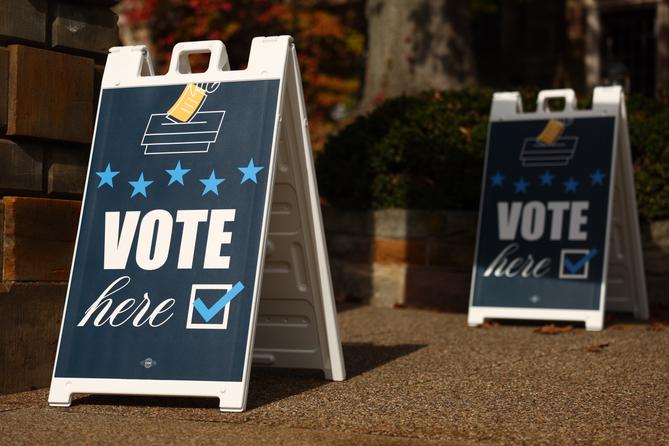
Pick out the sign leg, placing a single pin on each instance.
(474, 318)
(59, 394)
(594, 323)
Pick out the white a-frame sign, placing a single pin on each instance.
(200, 247)
(558, 235)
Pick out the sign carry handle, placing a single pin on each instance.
(218, 60)
(567, 94)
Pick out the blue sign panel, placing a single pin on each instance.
(544, 211)
(168, 250)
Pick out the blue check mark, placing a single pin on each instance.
(575, 267)
(208, 313)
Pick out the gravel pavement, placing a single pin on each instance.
(415, 377)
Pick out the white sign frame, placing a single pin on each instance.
(270, 58)
(623, 286)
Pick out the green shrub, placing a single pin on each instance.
(649, 137)
(426, 152)
(423, 151)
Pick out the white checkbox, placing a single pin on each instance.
(223, 314)
(565, 274)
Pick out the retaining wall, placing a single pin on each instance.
(424, 258)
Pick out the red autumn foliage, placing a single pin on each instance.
(329, 35)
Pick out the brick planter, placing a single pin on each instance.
(424, 258)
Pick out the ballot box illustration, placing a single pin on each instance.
(184, 128)
(163, 136)
(550, 148)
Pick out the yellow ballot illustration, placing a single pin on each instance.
(190, 101)
(551, 132)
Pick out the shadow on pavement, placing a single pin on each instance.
(145, 401)
(659, 314)
(268, 385)
(363, 357)
(343, 307)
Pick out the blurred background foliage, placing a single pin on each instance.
(426, 152)
(649, 136)
(329, 36)
(423, 151)
(398, 91)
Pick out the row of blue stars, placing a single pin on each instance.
(546, 180)
(177, 176)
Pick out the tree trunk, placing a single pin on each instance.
(415, 45)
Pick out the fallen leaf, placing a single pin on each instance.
(467, 133)
(621, 327)
(610, 319)
(488, 325)
(552, 329)
(596, 348)
(657, 326)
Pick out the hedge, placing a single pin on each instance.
(426, 152)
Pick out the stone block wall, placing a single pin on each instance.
(399, 257)
(52, 55)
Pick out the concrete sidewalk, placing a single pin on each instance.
(415, 377)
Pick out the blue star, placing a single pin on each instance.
(250, 172)
(139, 186)
(211, 183)
(546, 179)
(497, 179)
(597, 177)
(106, 176)
(177, 174)
(521, 185)
(570, 185)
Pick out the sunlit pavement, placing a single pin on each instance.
(414, 377)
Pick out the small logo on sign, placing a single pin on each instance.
(148, 363)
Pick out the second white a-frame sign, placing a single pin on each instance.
(200, 246)
(558, 235)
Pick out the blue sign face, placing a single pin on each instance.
(544, 210)
(168, 249)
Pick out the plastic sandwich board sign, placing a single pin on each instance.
(200, 246)
(558, 235)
